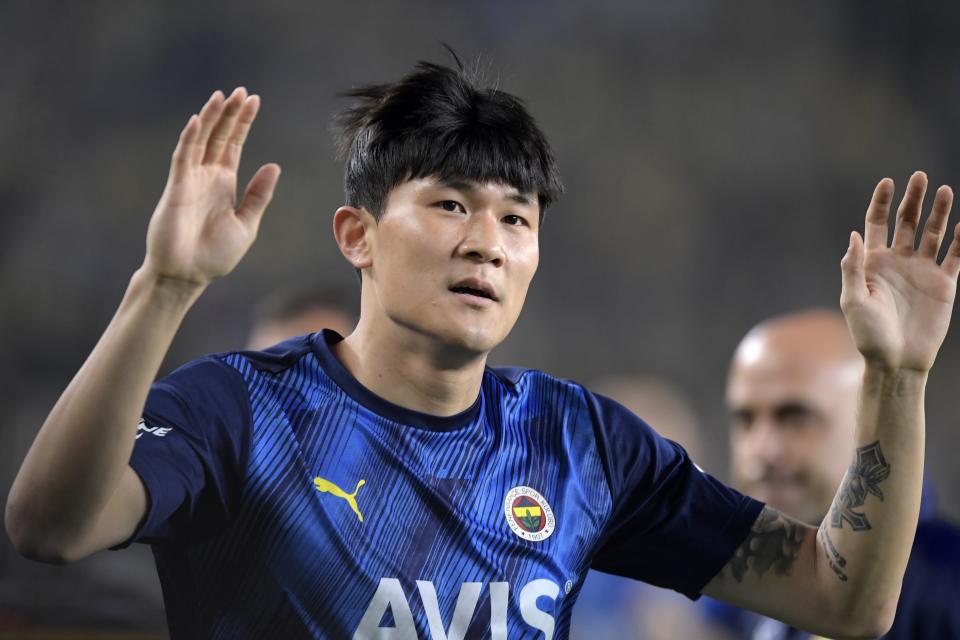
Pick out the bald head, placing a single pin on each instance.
(792, 394)
(816, 337)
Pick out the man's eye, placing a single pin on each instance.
(515, 220)
(451, 205)
(796, 416)
(740, 420)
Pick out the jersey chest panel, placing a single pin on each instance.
(487, 526)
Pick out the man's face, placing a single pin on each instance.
(792, 426)
(453, 260)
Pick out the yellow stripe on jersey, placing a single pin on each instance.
(527, 512)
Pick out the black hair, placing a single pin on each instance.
(439, 121)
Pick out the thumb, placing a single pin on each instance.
(854, 284)
(258, 194)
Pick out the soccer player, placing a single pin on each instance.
(792, 399)
(388, 484)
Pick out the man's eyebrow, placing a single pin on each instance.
(521, 198)
(467, 186)
(794, 407)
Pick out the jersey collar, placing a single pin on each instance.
(322, 343)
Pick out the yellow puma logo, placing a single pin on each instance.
(325, 486)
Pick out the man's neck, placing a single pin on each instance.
(408, 370)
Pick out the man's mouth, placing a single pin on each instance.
(475, 288)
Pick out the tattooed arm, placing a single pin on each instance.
(843, 579)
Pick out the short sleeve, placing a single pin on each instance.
(672, 524)
(190, 451)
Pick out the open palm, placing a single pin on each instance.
(897, 300)
(197, 232)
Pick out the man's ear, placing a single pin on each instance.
(352, 228)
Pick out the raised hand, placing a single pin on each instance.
(197, 231)
(897, 300)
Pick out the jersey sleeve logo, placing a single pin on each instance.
(325, 486)
(143, 427)
(528, 514)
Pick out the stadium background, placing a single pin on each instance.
(716, 156)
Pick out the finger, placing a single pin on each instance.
(208, 117)
(936, 225)
(224, 125)
(878, 215)
(908, 214)
(854, 284)
(234, 148)
(951, 263)
(180, 161)
(258, 194)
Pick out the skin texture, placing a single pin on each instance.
(792, 398)
(418, 344)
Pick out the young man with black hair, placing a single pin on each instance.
(389, 484)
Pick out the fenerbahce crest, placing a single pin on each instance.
(528, 514)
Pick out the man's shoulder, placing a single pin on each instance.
(234, 369)
(276, 358)
(525, 381)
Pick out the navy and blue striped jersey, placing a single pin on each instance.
(288, 501)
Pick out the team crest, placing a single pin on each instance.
(528, 514)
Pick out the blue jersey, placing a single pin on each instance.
(286, 500)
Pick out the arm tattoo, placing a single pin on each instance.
(865, 474)
(773, 543)
(836, 561)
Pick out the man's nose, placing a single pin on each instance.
(482, 239)
(765, 442)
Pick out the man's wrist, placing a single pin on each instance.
(896, 380)
(169, 293)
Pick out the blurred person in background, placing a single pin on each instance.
(792, 398)
(296, 312)
(611, 607)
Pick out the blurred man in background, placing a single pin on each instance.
(296, 312)
(792, 395)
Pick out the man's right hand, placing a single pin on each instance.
(75, 492)
(197, 232)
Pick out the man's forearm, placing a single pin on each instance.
(80, 452)
(865, 539)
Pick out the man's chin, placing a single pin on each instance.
(771, 500)
(795, 509)
(468, 342)
(784, 501)
(470, 339)
(479, 343)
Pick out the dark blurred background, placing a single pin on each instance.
(716, 157)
